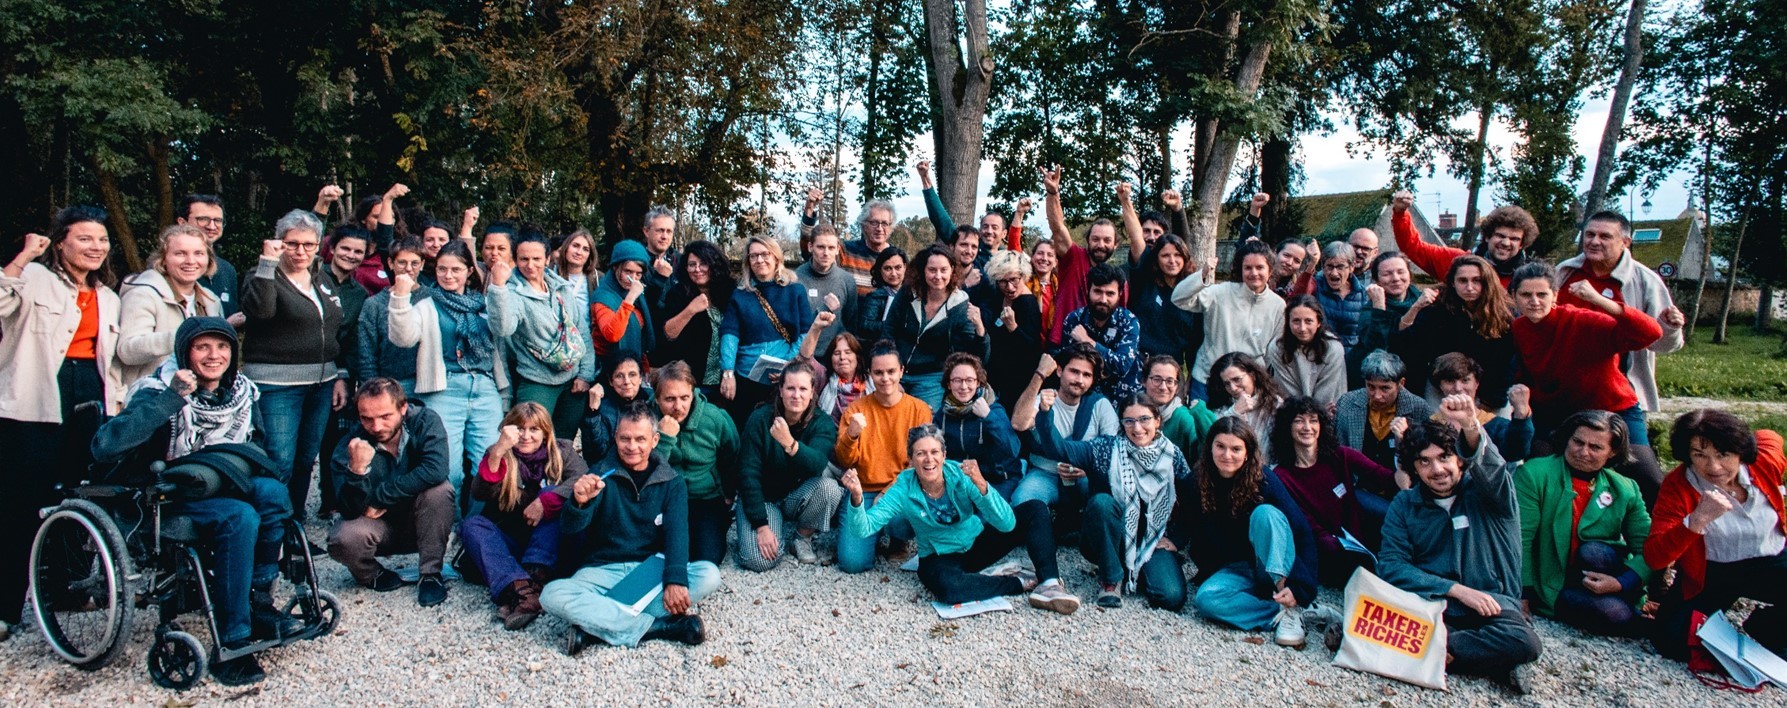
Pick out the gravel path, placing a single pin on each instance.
(811, 635)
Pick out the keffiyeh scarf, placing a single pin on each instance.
(1141, 476)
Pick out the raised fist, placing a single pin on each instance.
(272, 249)
(824, 319)
(1171, 199)
(981, 408)
(1401, 201)
(779, 431)
(698, 303)
(1672, 318)
(1046, 366)
(1124, 190)
(852, 483)
(38, 244)
(595, 396)
(586, 488)
(832, 302)
(500, 272)
(403, 285)
(1079, 334)
(510, 436)
(1460, 410)
(1375, 294)
(662, 266)
(858, 421)
(470, 218)
(974, 319)
(1046, 399)
(1520, 398)
(814, 196)
(669, 426)
(184, 382)
(359, 456)
(1428, 297)
(1258, 202)
(329, 194)
(396, 190)
(1584, 291)
(1023, 206)
(972, 469)
(1399, 426)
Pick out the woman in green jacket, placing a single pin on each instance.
(948, 504)
(1582, 529)
(783, 485)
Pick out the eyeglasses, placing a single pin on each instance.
(1139, 420)
(878, 223)
(208, 220)
(302, 245)
(1163, 380)
(761, 257)
(960, 380)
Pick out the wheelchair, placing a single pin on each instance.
(108, 550)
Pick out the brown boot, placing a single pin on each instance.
(527, 606)
(506, 602)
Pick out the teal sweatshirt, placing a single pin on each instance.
(905, 498)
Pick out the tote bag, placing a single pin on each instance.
(1393, 633)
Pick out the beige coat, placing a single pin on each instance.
(39, 314)
(147, 323)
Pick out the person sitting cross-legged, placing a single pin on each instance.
(391, 481)
(784, 492)
(1456, 536)
(948, 505)
(617, 530)
(194, 400)
(521, 482)
(1582, 529)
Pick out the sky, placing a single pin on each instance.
(1328, 168)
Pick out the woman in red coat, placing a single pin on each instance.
(1570, 359)
(1720, 521)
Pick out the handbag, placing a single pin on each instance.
(1393, 633)
(566, 350)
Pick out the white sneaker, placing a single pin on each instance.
(1325, 620)
(803, 550)
(1287, 629)
(1051, 596)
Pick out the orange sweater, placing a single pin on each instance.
(879, 454)
(1671, 541)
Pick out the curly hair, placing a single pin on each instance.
(1264, 387)
(1284, 446)
(1722, 431)
(1248, 480)
(1510, 217)
(915, 271)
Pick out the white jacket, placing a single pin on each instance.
(1642, 288)
(413, 324)
(149, 317)
(39, 314)
(1235, 319)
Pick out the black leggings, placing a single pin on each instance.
(955, 577)
(1763, 579)
(46, 454)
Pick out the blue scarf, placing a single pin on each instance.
(476, 349)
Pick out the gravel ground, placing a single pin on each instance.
(812, 635)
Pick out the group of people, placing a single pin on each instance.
(1481, 441)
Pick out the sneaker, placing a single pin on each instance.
(1110, 598)
(803, 550)
(1324, 619)
(687, 629)
(576, 640)
(386, 581)
(431, 591)
(240, 671)
(1287, 629)
(1519, 680)
(1051, 596)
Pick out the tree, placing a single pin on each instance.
(961, 73)
(1632, 58)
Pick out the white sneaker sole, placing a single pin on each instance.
(1063, 605)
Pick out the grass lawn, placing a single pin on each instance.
(1743, 369)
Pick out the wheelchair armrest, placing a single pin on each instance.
(100, 492)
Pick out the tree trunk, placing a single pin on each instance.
(1275, 179)
(1214, 177)
(1731, 279)
(1163, 141)
(1616, 111)
(1765, 310)
(1204, 135)
(164, 182)
(1479, 154)
(872, 108)
(959, 87)
(118, 220)
(1706, 241)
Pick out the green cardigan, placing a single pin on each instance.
(1543, 487)
(705, 451)
(1186, 426)
(905, 498)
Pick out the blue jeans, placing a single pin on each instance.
(856, 554)
(1045, 486)
(1102, 541)
(502, 558)
(1240, 594)
(582, 600)
(472, 411)
(925, 387)
(245, 538)
(294, 419)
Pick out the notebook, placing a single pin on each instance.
(644, 584)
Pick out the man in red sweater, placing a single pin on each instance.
(1075, 262)
(1506, 233)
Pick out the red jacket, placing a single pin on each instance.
(1571, 359)
(1436, 260)
(1671, 541)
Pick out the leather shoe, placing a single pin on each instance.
(686, 629)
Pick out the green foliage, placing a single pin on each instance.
(1744, 369)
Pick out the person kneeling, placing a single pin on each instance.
(1583, 527)
(947, 503)
(1457, 536)
(196, 400)
(391, 482)
(522, 481)
(618, 531)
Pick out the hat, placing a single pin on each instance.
(628, 250)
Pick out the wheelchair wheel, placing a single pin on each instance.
(177, 661)
(330, 609)
(79, 592)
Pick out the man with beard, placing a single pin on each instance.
(391, 483)
(1111, 330)
(1075, 262)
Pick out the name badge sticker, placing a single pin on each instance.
(1340, 490)
(659, 521)
(1461, 523)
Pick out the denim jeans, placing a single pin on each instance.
(245, 539)
(925, 387)
(1240, 594)
(294, 418)
(857, 554)
(1102, 540)
(1045, 486)
(504, 558)
(1587, 610)
(582, 600)
(472, 411)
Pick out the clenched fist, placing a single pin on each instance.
(359, 456)
(272, 249)
(35, 245)
(858, 421)
(852, 484)
(403, 285)
(586, 488)
(1401, 201)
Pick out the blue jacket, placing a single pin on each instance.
(1427, 549)
(988, 441)
(1344, 314)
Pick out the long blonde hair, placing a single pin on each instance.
(783, 276)
(527, 415)
(158, 257)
